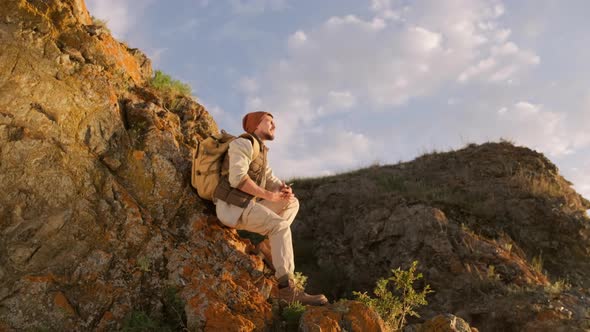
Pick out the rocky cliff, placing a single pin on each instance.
(500, 236)
(97, 217)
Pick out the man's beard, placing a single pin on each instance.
(267, 136)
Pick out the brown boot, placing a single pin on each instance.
(292, 294)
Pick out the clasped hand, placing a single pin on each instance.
(286, 191)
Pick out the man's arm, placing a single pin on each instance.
(240, 157)
(250, 187)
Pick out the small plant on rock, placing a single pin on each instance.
(100, 23)
(393, 308)
(292, 313)
(537, 263)
(144, 264)
(164, 83)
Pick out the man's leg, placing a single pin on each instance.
(282, 246)
(274, 219)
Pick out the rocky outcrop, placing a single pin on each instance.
(341, 316)
(97, 217)
(497, 232)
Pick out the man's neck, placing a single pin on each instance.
(258, 138)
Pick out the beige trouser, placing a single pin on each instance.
(273, 219)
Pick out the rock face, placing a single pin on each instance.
(97, 217)
(497, 232)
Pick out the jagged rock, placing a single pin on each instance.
(341, 316)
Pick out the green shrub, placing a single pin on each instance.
(292, 313)
(167, 84)
(393, 308)
(138, 321)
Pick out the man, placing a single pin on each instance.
(249, 197)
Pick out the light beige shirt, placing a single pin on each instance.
(240, 157)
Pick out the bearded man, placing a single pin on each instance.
(250, 197)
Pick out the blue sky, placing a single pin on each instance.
(354, 83)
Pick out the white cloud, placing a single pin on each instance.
(420, 40)
(351, 20)
(505, 60)
(156, 55)
(116, 13)
(533, 126)
(297, 39)
(321, 150)
(120, 15)
(341, 99)
(502, 34)
(382, 62)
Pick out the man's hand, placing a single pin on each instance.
(275, 196)
(250, 187)
(286, 191)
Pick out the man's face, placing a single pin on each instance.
(266, 128)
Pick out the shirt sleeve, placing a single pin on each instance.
(240, 157)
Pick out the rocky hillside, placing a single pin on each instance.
(499, 235)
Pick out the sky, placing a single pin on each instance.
(365, 82)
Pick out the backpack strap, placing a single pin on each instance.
(255, 145)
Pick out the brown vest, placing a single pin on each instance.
(256, 172)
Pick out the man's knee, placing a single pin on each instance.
(293, 203)
(292, 206)
(280, 226)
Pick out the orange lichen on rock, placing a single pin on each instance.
(61, 301)
(548, 315)
(340, 316)
(362, 319)
(123, 59)
(107, 318)
(321, 319)
(219, 318)
(43, 278)
(138, 155)
(446, 323)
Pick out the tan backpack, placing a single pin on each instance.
(208, 160)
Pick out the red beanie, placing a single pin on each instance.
(252, 120)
